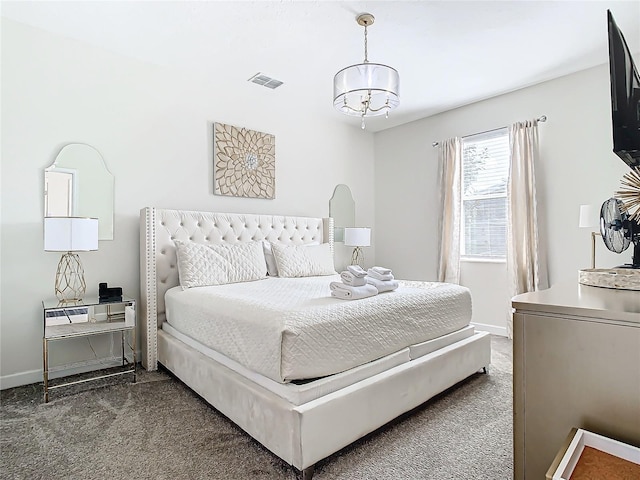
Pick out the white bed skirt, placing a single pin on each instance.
(303, 434)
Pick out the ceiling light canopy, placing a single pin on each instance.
(366, 89)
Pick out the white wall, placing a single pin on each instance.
(153, 128)
(577, 167)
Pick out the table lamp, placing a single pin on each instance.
(70, 234)
(358, 238)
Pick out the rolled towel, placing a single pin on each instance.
(373, 274)
(357, 271)
(349, 278)
(347, 292)
(383, 285)
(381, 270)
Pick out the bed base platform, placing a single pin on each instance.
(304, 434)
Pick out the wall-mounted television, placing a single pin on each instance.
(625, 97)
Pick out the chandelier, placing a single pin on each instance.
(366, 89)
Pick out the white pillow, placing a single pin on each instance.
(202, 265)
(303, 260)
(272, 267)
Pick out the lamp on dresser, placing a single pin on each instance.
(357, 237)
(70, 234)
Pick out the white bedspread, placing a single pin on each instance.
(291, 328)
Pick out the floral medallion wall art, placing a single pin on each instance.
(244, 162)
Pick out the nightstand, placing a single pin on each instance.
(86, 318)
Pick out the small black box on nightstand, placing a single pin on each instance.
(109, 294)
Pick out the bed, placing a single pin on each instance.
(290, 383)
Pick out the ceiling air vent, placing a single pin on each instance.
(265, 81)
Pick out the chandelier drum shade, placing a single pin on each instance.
(366, 89)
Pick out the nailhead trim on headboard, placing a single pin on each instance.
(158, 263)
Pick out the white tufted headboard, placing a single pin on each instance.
(158, 262)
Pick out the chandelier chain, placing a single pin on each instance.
(365, 45)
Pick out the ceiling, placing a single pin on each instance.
(448, 53)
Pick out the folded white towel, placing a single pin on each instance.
(347, 292)
(349, 278)
(383, 285)
(378, 276)
(357, 271)
(381, 270)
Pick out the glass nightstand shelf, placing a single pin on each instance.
(84, 318)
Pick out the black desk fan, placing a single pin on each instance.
(619, 230)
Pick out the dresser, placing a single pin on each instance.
(576, 363)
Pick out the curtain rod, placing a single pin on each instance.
(542, 118)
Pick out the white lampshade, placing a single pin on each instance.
(70, 234)
(357, 237)
(589, 216)
(378, 83)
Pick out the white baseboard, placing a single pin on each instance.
(18, 379)
(493, 329)
(35, 376)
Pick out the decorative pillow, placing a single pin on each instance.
(272, 267)
(202, 265)
(303, 260)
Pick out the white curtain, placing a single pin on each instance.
(450, 179)
(526, 263)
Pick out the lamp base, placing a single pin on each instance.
(357, 257)
(593, 248)
(70, 285)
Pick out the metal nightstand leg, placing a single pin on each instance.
(133, 352)
(45, 369)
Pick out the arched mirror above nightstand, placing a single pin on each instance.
(78, 184)
(342, 208)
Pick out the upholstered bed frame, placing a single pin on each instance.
(299, 434)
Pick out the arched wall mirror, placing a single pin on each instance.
(342, 208)
(78, 184)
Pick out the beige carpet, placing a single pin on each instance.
(159, 429)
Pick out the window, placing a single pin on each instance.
(485, 170)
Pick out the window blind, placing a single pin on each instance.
(485, 170)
